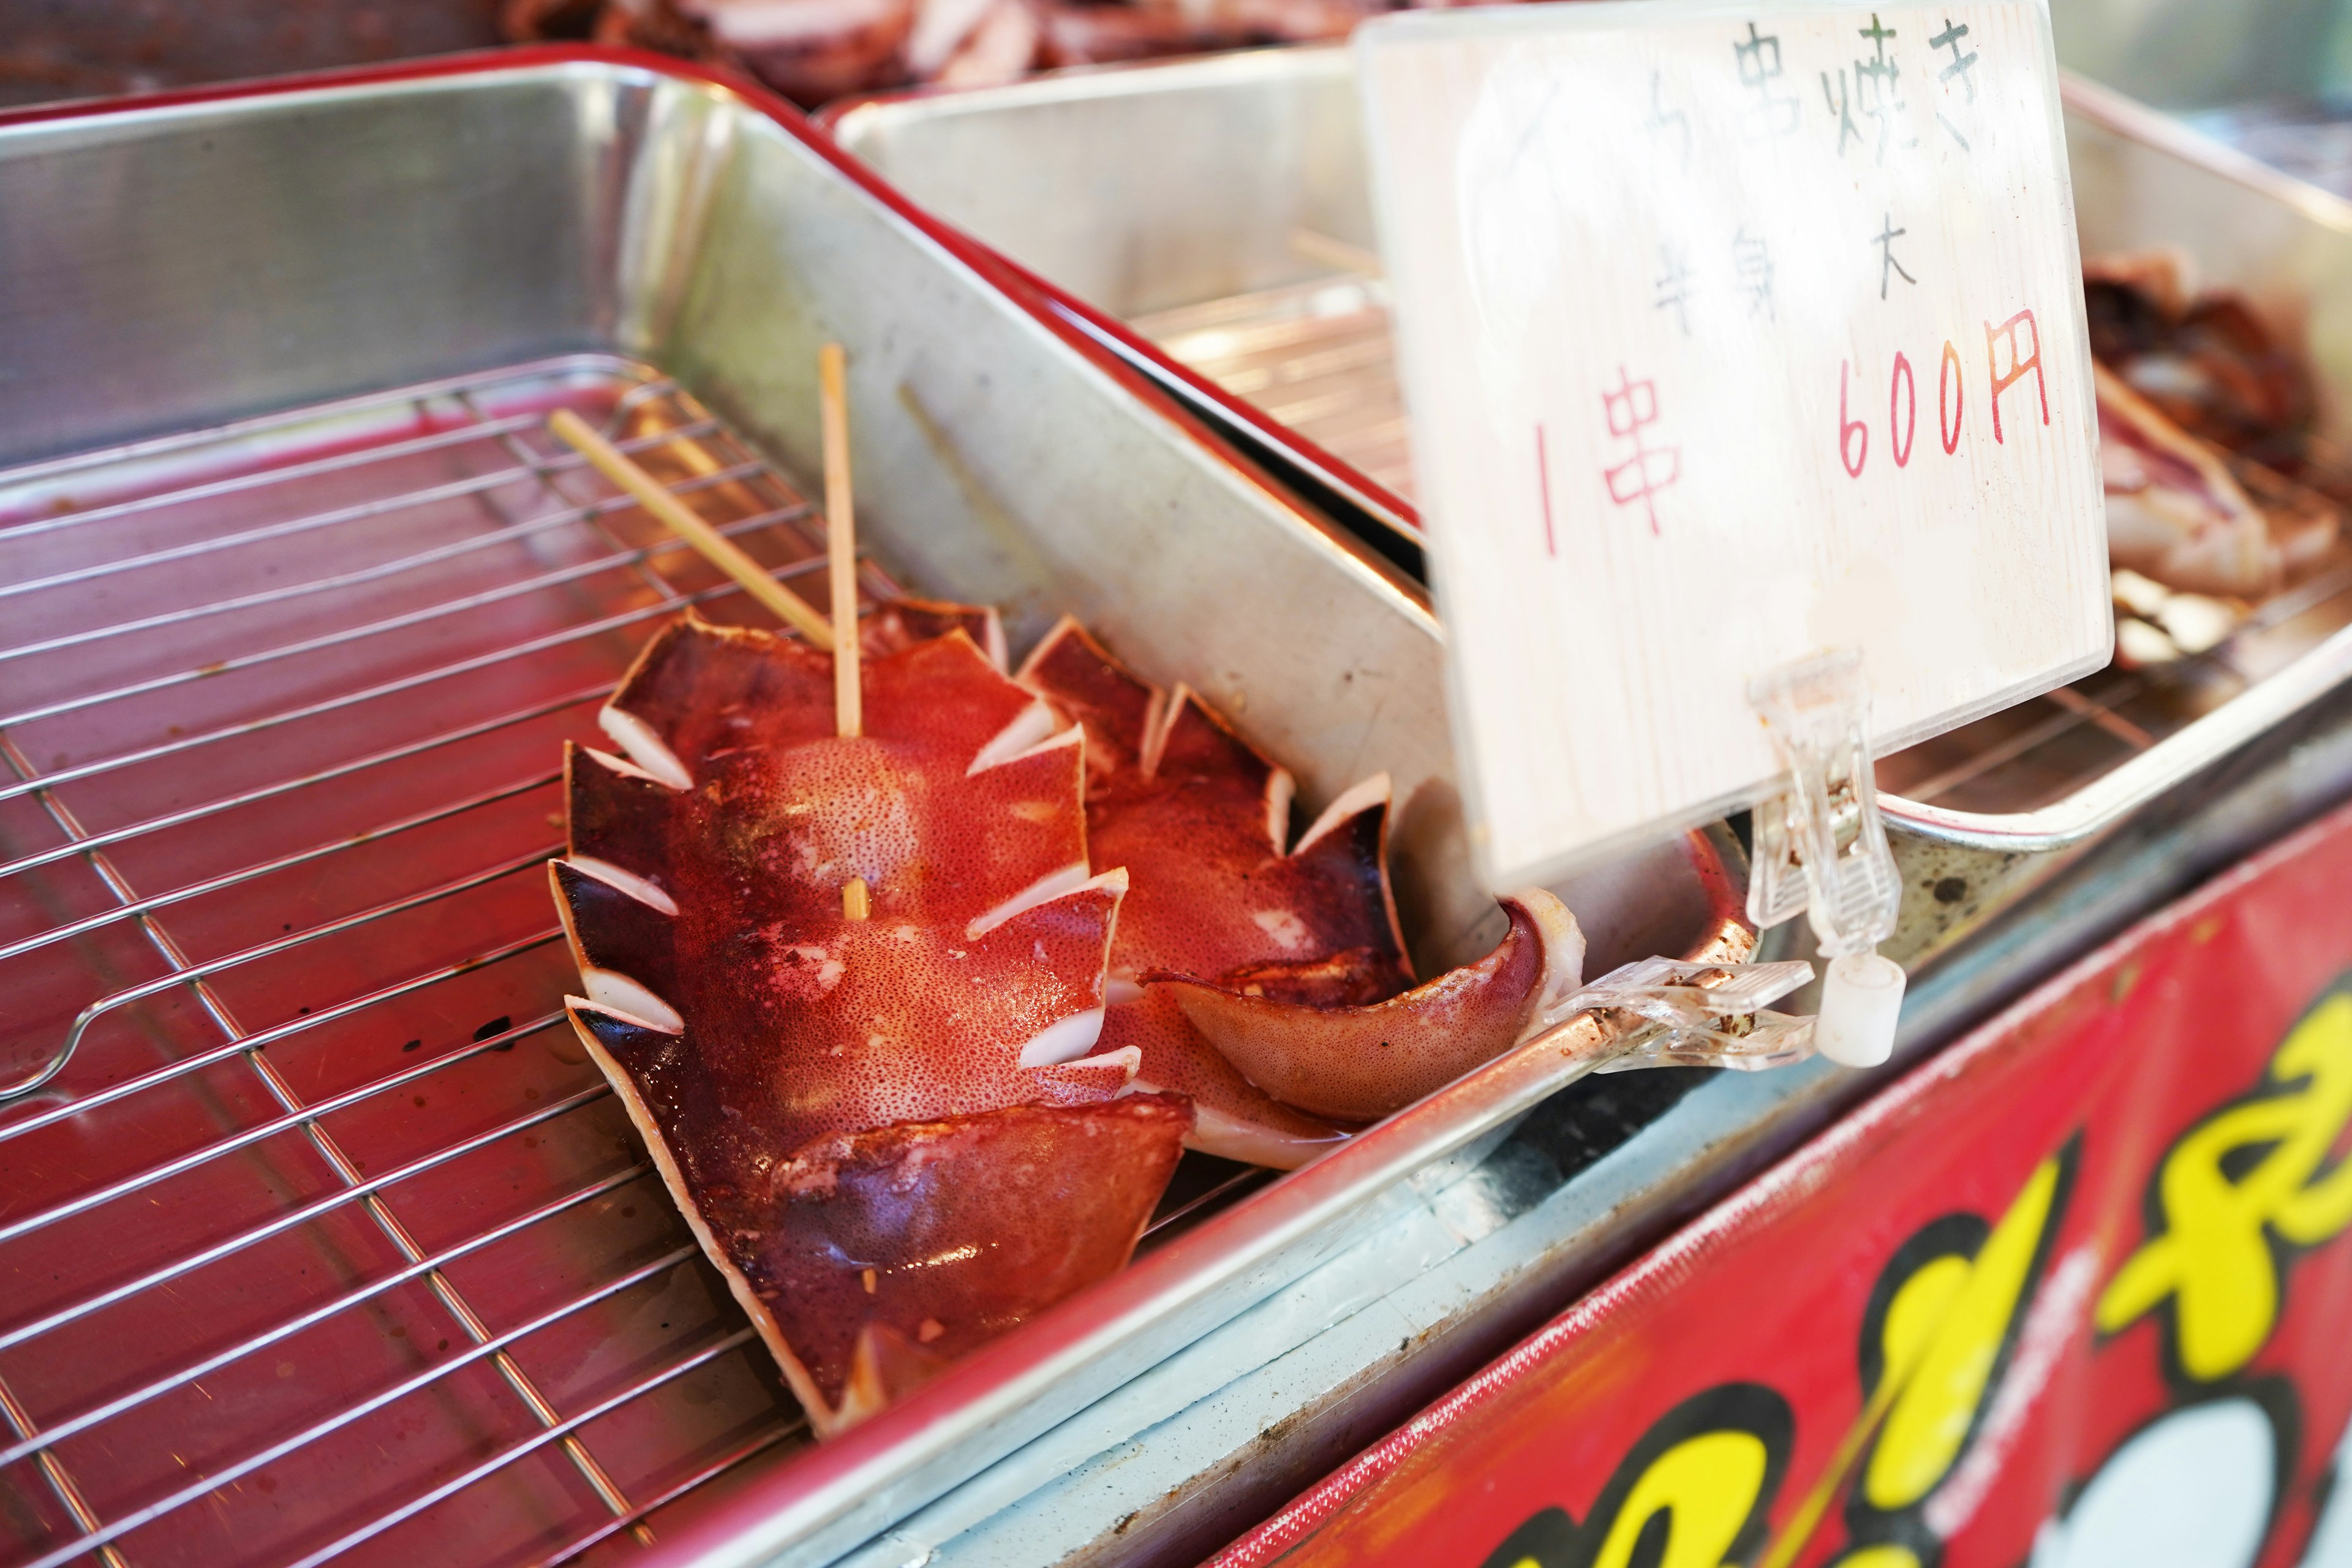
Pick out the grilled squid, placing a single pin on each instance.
(2174, 512)
(896, 1136)
(1246, 963)
(1091, 937)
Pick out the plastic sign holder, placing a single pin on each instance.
(1731, 336)
(1821, 847)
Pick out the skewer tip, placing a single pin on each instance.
(714, 546)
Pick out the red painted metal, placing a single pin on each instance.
(2118, 1219)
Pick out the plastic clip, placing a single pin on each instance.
(1701, 1014)
(1820, 849)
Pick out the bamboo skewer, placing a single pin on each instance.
(841, 559)
(840, 539)
(716, 547)
(841, 551)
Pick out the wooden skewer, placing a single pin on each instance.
(841, 557)
(716, 547)
(840, 539)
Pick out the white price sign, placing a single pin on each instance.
(1730, 335)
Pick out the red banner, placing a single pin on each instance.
(2077, 1293)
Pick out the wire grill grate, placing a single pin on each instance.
(320, 1238)
(1319, 357)
(1315, 356)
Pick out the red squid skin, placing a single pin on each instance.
(1273, 986)
(1199, 819)
(1357, 1061)
(901, 1135)
(870, 1260)
(947, 1212)
(818, 1063)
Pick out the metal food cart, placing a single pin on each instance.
(320, 1244)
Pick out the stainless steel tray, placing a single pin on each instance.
(322, 1239)
(1242, 272)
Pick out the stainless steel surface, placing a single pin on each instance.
(1255, 207)
(2270, 78)
(1248, 260)
(1142, 188)
(402, 519)
(321, 1238)
(2309, 142)
(1259, 153)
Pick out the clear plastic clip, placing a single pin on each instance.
(1820, 846)
(1702, 1014)
(1822, 849)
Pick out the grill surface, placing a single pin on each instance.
(1317, 356)
(319, 1235)
(2046, 749)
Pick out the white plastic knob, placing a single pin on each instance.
(1861, 996)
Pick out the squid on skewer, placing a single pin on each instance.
(894, 1136)
(902, 1127)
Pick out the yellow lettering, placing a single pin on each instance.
(1948, 1321)
(1887, 1555)
(2213, 1259)
(1707, 1484)
(1918, 1308)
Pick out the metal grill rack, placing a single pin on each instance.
(319, 1236)
(1317, 357)
(2046, 749)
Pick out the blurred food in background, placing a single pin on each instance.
(52, 49)
(2273, 76)
(812, 51)
(2220, 492)
(816, 50)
